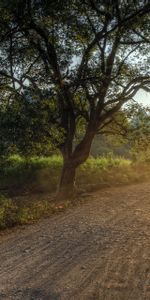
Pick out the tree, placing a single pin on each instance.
(86, 58)
(139, 134)
(22, 127)
(130, 127)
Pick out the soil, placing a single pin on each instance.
(97, 250)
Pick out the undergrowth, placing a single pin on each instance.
(39, 175)
(12, 214)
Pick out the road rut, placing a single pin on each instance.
(97, 250)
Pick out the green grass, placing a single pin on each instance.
(40, 175)
(12, 213)
(104, 170)
(16, 172)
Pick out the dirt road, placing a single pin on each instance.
(99, 250)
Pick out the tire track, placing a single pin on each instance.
(99, 250)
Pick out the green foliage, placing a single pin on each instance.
(130, 128)
(17, 162)
(25, 127)
(139, 134)
(12, 214)
(65, 70)
(34, 211)
(42, 173)
(104, 163)
(94, 174)
(17, 171)
(116, 132)
(8, 212)
(104, 170)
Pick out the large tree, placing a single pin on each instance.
(85, 58)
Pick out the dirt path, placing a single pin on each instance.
(100, 250)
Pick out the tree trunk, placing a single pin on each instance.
(71, 162)
(67, 181)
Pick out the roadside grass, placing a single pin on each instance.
(13, 213)
(27, 184)
(19, 172)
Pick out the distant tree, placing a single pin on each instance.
(139, 134)
(131, 127)
(85, 58)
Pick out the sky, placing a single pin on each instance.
(143, 98)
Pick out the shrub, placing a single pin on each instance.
(43, 173)
(8, 212)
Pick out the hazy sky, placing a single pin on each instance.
(143, 97)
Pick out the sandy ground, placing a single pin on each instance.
(98, 250)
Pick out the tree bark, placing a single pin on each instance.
(67, 181)
(72, 160)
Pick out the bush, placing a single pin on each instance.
(12, 214)
(103, 170)
(19, 172)
(8, 212)
(42, 173)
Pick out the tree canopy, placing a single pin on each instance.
(85, 59)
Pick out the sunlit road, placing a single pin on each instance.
(98, 250)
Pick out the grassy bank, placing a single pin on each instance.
(27, 183)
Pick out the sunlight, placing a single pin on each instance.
(143, 98)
